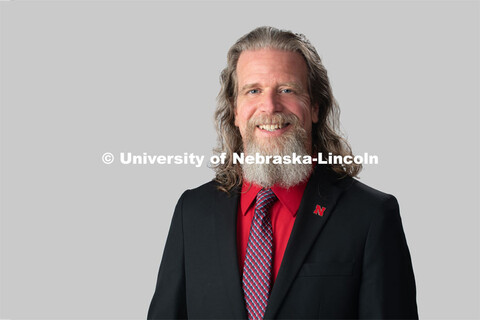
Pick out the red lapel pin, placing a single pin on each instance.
(319, 210)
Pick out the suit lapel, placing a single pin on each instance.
(226, 231)
(321, 190)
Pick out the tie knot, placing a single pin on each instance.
(265, 199)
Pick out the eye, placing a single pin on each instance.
(253, 91)
(286, 91)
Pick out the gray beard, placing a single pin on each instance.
(269, 174)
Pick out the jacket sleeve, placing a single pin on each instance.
(387, 289)
(169, 299)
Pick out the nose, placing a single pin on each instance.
(270, 103)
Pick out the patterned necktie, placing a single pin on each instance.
(257, 268)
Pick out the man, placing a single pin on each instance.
(282, 240)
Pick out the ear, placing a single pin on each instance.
(315, 113)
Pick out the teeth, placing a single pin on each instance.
(271, 127)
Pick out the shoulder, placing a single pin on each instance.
(207, 199)
(356, 207)
(206, 191)
(359, 192)
(356, 199)
(349, 187)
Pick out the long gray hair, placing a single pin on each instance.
(326, 136)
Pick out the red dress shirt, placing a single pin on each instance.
(283, 213)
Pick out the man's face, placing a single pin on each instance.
(272, 88)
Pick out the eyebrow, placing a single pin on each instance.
(285, 84)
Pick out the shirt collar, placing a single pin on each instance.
(290, 197)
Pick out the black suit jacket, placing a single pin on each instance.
(352, 262)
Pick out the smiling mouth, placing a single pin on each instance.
(273, 127)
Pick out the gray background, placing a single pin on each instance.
(81, 239)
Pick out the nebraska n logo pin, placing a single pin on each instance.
(319, 210)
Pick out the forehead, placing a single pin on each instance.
(266, 65)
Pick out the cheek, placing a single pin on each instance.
(239, 120)
(303, 112)
(239, 116)
(241, 123)
(242, 114)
